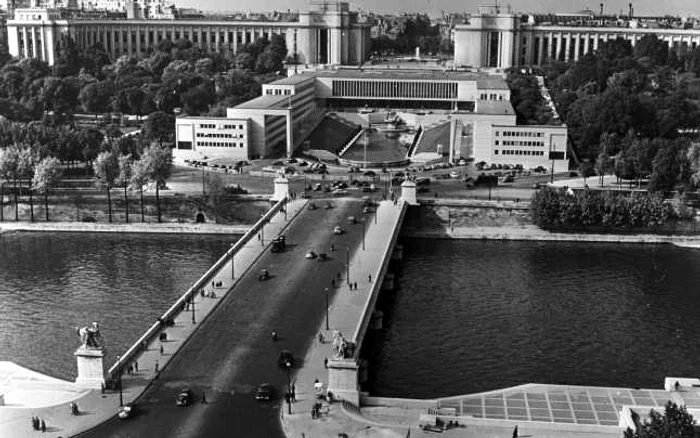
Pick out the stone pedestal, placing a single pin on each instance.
(343, 380)
(408, 192)
(281, 188)
(91, 373)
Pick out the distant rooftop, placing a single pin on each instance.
(483, 80)
(266, 101)
(495, 107)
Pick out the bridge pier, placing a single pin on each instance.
(281, 189)
(343, 379)
(408, 192)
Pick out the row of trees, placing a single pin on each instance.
(630, 110)
(175, 75)
(559, 208)
(112, 168)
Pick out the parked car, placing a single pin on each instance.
(312, 206)
(338, 230)
(322, 257)
(184, 398)
(127, 411)
(264, 275)
(285, 359)
(370, 173)
(279, 244)
(454, 174)
(310, 255)
(264, 392)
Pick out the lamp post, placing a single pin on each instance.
(262, 233)
(233, 256)
(192, 298)
(347, 263)
(288, 365)
(327, 325)
(119, 382)
(203, 192)
(363, 232)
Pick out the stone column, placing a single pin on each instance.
(540, 50)
(25, 48)
(290, 132)
(577, 47)
(567, 52)
(586, 43)
(44, 49)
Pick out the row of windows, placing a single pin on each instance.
(391, 89)
(492, 96)
(518, 152)
(520, 134)
(233, 126)
(521, 143)
(220, 144)
(213, 126)
(278, 92)
(209, 135)
(240, 37)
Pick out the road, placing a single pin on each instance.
(232, 352)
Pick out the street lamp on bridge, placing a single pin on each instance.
(288, 366)
(327, 325)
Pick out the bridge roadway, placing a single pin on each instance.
(232, 352)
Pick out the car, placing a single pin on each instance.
(291, 161)
(328, 206)
(322, 257)
(310, 255)
(184, 398)
(352, 220)
(327, 189)
(264, 275)
(278, 163)
(264, 392)
(422, 181)
(366, 189)
(340, 192)
(508, 179)
(127, 411)
(538, 185)
(365, 210)
(338, 230)
(318, 187)
(312, 206)
(279, 244)
(302, 163)
(370, 173)
(285, 359)
(454, 174)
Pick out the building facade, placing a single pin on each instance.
(477, 105)
(332, 34)
(494, 38)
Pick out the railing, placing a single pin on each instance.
(350, 406)
(361, 329)
(416, 140)
(129, 355)
(351, 142)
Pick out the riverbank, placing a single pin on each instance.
(91, 227)
(532, 232)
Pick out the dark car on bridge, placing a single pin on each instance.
(184, 398)
(264, 392)
(285, 359)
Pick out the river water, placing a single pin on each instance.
(472, 316)
(52, 283)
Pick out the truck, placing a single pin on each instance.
(279, 244)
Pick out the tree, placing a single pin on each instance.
(139, 179)
(96, 97)
(91, 139)
(25, 170)
(126, 163)
(157, 161)
(693, 160)
(670, 167)
(46, 174)
(652, 47)
(674, 422)
(9, 158)
(160, 126)
(106, 168)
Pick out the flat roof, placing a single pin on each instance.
(483, 80)
(495, 107)
(266, 101)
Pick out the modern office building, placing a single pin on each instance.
(329, 34)
(477, 105)
(497, 38)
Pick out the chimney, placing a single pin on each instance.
(602, 6)
(631, 10)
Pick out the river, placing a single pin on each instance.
(51, 283)
(472, 316)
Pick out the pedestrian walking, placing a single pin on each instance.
(293, 395)
(320, 338)
(313, 412)
(370, 278)
(333, 282)
(355, 285)
(161, 349)
(332, 247)
(204, 397)
(43, 426)
(515, 432)
(35, 423)
(156, 366)
(318, 386)
(325, 363)
(136, 366)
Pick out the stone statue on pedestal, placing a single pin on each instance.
(90, 336)
(339, 346)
